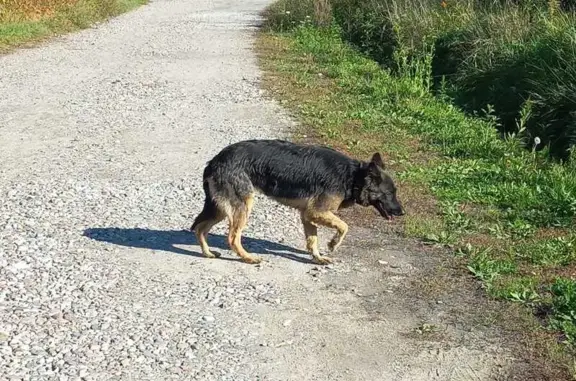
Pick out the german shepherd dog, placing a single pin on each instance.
(315, 180)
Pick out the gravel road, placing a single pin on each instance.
(103, 138)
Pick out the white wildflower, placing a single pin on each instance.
(537, 141)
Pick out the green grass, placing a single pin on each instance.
(507, 212)
(24, 21)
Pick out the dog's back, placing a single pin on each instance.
(280, 169)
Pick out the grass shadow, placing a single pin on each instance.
(165, 240)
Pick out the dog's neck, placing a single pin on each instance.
(358, 182)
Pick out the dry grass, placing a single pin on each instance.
(31, 10)
(30, 21)
(322, 13)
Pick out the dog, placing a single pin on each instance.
(316, 180)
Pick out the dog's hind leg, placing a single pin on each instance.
(238, 218)
(208, 217)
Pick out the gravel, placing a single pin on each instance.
(73, 310)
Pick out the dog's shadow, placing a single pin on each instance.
(165, 240)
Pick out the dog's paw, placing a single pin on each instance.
(253, 260)
(322, 260)
(212, 255)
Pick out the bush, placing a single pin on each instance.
(534, 63)
(284, 16)
(507, 211)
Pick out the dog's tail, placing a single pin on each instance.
(210, 208)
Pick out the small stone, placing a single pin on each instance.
(287, 323)
(208, 319)
(20, 266)
(190, 355)
(56, 314)
(383, 262)
(36, 350)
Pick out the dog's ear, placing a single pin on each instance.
(377, 160)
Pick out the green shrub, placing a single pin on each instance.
(537, 64)
(507, 202)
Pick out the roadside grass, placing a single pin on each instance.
(29, 21)
(507, 213)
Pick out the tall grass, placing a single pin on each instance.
(488, 54)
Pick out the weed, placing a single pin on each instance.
(558, 251)
(485, 267)
(520, 289)
(564, 305)
(425, 328)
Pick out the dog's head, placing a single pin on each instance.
(379, 190)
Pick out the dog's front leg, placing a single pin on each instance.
(311, 232)
(330, 220)
(341, 231)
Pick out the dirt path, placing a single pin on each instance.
(103, 138)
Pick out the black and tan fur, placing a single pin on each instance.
(315, 180)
